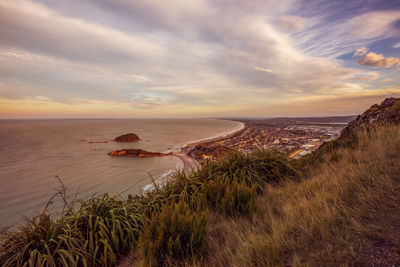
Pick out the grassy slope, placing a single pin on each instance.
(344, 211)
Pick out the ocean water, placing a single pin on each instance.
(33, 152)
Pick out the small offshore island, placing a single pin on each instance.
(132, 152)
(137, 153)
(130, 137)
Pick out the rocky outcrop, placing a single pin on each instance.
(388, 112)
(139, 153)
(130, 137)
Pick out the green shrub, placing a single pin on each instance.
(256, 168)
(96, 234)
(109, 226)
(175, 233)
(230, 199)
(41, 242)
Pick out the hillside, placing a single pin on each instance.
(339, 206)
(344, 211)
(388, 112)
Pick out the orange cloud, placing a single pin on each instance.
(379, 61)
(361, 51)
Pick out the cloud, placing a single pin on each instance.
(297, 91)
(63, 80)
(35, 28)
(151, 56)
(147, 105)
(335, 32)
(374, 24)
(263, 69)
(361, 51)
(379, 61)
(137, 61)
(367, 76)
(397, 45)
(328, 105)
(291, 23)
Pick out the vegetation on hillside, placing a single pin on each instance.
(173, 234)
(106, 227)
(343, 211)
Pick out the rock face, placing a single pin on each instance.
(388, 112)
(130, 137)
(139, 153)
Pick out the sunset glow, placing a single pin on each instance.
(196, 58)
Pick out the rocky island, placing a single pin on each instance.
(130, 137)
(139, 153)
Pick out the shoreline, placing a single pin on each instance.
(190, 163)
(223, 135)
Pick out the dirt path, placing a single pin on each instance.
(384, 249)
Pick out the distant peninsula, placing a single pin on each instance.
(130, 137)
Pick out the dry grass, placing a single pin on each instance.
(325, 220)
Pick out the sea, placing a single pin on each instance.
(34, 152)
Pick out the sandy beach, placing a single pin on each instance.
(189, 163)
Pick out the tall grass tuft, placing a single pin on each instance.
(109, 227)
(96, 234)
(256, 168)
(41, 242)
(229, 198)
(174, 234)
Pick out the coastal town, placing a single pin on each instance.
(295, 137)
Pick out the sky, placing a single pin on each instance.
(196, 58)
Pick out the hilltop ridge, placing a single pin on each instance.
(388, 112)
